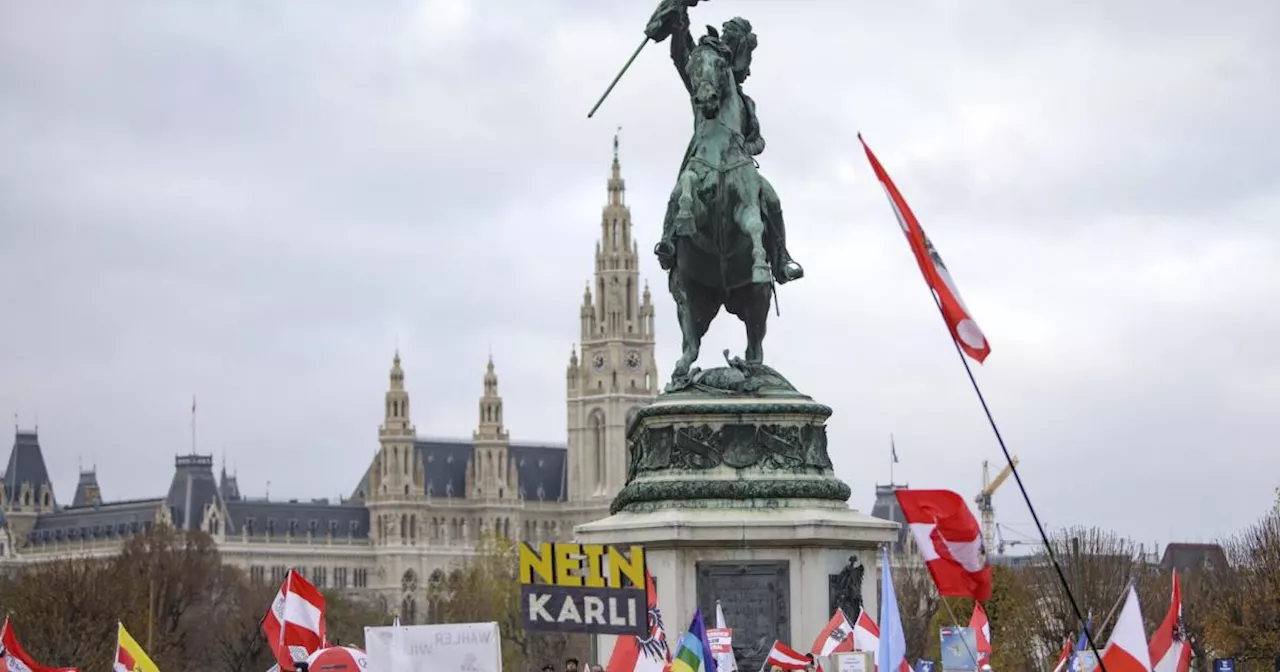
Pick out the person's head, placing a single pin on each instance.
(737, 35)
(597, 668)
(548, 668)
(571, 665)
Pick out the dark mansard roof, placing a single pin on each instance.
(318, 517)
(26, 464)
(541, 467)
(117, 520)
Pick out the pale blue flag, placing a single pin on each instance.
(893, 643)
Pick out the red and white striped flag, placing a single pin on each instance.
(837, 637)
(1170, 650)
(294, 625)
(960, 321)
(950, 541)
(786, 657)
(1128, 650)
(981, 631)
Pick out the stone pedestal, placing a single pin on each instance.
(730, 491)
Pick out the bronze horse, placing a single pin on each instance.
(722, 254)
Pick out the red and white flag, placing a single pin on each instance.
(837, 637)
(866, 634)
(1064, 658)
(866, 637)
(643, 654)
(981, 632)
(294, 626)
(16, 659)
(950, 541)
(786, 657)
(1170, 650)
(960, 321)
(1128, 651)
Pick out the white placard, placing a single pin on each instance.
(460, 647)
(857, 661)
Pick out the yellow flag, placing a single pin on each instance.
(129, 655)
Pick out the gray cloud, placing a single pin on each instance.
(256, 202)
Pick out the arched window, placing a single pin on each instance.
(596, 437)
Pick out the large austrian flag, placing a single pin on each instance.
(949, 540)
(294, 626)
(960, 321)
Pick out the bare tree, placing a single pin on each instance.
(64, 612)
(918, 603)
(172, 593)
(1243, 619)
(1099, 565)
(487, 588)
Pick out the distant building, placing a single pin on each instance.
(886, 507)
(1188, 558)
(422, 503)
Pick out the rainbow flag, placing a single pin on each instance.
(694, 652)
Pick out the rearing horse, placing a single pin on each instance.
(721, 255)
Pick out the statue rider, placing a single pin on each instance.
(672, 20)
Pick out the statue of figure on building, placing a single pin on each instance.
(723, 240)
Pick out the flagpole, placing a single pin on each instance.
(288, 588)
(891, 190)
(1013, 469)
(193, 424)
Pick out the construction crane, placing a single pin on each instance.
(1001, 542)
(983, 500)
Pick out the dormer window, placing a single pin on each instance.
(313, 526)
(542, 493)
(293, 525)
(271, 526)
(333, 528)
(353, 527)
(248, 525)
(448, 489)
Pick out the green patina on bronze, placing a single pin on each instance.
(723, 238)
(654, 495)
(771, 437)
(739, 435)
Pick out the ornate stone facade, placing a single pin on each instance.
(423, 503)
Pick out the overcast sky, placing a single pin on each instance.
(255, 201)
